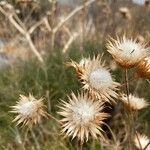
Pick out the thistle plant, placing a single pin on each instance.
(96, 78)
(83, 115)
(29, 110)
(126, 51)
(129, 53)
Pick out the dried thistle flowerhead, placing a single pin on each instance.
(29, 110)
(143, 68)
(96, 78)
(127, 52)
(82, 116)
(125, 12)
(135, 103)
(144, 140)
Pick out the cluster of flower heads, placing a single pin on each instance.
(99, 87)
(129, 53)
(83, 114)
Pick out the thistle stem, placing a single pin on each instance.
(25, 137)
(130, 117)
(52, 117)
(127, 84)
(37, 145)
(81, 146)
(130, 121)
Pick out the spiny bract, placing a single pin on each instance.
(143, 68)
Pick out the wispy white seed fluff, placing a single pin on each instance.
(27, 108)
(83, 111)
(100, 78)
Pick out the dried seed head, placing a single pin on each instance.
(143, 68)
(29, 110)
(135, 103)
(96, 78)
(125, 13)
(127, 52)
(82, 116)
(144, 140)
(147, 2)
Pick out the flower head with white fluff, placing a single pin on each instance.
(127, 52)
(29, 110)
(144, 140)
(143, 68)
(82, 116)
(135, 103)
(96, 78)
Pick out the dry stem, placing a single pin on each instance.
(129, 121)
(52, 117)
(23, 31)
(80, 146)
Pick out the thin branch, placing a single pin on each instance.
(23, 32)
(74, 12)
(37, 24)
(16, 25)
(47, 25)
(148, 81)
(33, 48)
(35, 140)
(11, 19)
(72, 38)
(19, 21)
(52, 117)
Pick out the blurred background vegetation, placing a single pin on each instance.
(57, 31)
